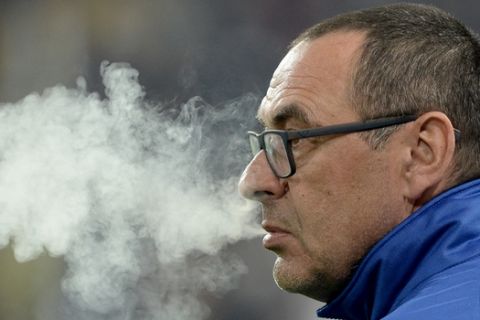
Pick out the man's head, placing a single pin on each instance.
(349, 190)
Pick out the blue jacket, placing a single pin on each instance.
(428, 267)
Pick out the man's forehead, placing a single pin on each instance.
(291, 72)
(324, 64)
(292, 58)
(341, 45)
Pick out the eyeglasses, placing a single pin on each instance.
(278, 148)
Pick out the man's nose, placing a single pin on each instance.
(258, 182)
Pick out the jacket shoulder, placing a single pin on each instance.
(452, 294)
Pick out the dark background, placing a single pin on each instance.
(216, 49)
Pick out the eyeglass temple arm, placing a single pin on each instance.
(351, 127)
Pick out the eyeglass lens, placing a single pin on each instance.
(254, 144)
(277, 154)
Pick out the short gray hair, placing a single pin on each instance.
(415, 58)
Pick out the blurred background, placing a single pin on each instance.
(215, 49)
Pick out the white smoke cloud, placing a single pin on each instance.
(138, 199)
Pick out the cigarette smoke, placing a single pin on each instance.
(138, 198)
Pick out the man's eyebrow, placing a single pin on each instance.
(289, 112)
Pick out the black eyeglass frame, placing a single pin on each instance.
(351, 127)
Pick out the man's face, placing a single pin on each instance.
(344, 196)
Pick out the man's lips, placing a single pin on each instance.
(275, 235)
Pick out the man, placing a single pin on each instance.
(366, 169)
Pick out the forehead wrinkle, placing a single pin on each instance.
(304, 82)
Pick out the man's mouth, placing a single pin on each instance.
(275, 236)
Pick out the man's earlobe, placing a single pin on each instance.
(432, 156)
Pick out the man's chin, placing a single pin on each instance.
(290, 277)
(296, 278)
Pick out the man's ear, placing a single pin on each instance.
(431, 144)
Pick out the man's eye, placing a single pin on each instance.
(294, 142)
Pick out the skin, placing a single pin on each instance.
(345, 196)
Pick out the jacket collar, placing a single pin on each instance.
(440, 234)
